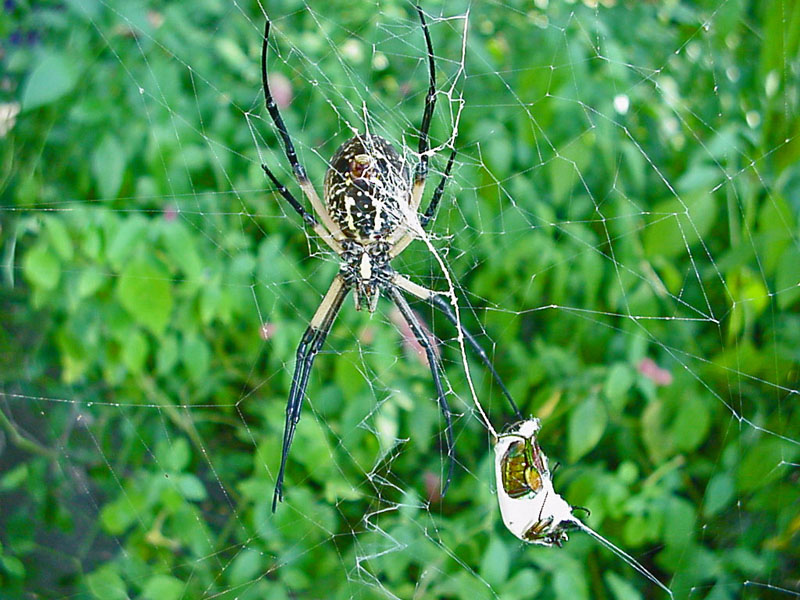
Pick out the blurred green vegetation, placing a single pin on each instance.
(623, 222)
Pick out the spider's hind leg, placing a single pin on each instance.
(308, 349)
(426, 342)
(443, 305)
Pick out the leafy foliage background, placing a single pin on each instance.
(143, 254)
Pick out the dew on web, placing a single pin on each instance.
(619, 232)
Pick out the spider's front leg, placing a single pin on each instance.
(308, 349)
(437, 194)
(427, 115)
(405, 236)
(307, 217)
(328, 229)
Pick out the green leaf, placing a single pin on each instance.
(145, 292)
(246, 566)
(166, 355)
(387, 426)
(570, 584)
(174, 456)
(635, 164)
(499, 153)
(787, 278)
(74, 358)
(13, 566)
(124, 240)
(59, 237)
(346, 374)
(191, 524)
(180, 245)
(621, 589)
(195, 355)
(680, 519)
(672, 232)
(496, 562)
(775, 225)
(106, 584)
(691, 422)
(719, 493)
(761, 463)
(41, 267)
(89, 281)
(88, 9)
(619, 380)
(190, 487)
(232, 54)
(699, 177)
(14, 478)
(338, 489)
(91, 241)
(586, 426)
(635, 530)
(53, 77)
(748, 291)
(108, 166)
(118, 515)
(564, 169)
(135, 351)
(164, 587)
(461, 585)
(211, 303)
(524, 585)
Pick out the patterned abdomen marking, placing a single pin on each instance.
(364, 187)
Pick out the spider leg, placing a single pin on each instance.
(309, 346)
(272, 108)
(406, 235)
(403, 238)
(430, 102)
(291, 153)
(307, 217)
(426, 342)
(443, 305)
(437, 194)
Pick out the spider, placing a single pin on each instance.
(367, 216)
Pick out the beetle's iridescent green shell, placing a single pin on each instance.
(522, 469)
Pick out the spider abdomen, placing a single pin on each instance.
(366, 188)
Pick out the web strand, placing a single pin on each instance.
(622, 212)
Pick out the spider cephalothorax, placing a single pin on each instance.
(368, 215)
(365, 268)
